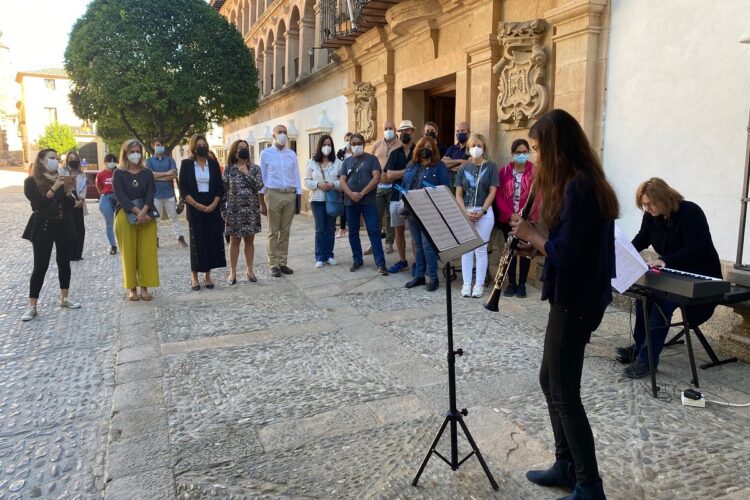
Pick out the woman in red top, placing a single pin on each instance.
(513, 191)
(107, 199)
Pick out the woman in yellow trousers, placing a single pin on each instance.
(135, 226)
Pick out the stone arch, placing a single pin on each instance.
(279, 53)
(293, 40)
(268, 78)
(306, 29)
(260, 57)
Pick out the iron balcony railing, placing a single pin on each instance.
(342, 21)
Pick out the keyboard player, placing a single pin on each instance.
(678, 231)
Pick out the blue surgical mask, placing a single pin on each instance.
(521, 157)
(159, 150)
(462, 137)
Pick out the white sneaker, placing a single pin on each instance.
(331, 261)
(29, 314)
(319, 264)
(478, 291)
(69, 304)
(466, 290)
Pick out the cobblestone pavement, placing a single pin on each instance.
(322, 384)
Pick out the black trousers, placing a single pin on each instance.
(565, 341)
(523, 264)
(50, 232)
(76, 250)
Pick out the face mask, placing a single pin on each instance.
(281, 139)
(405, 138)
(159, 150)
(346, 144)
(431, 133)
(462, 137)
(134, 157)
(389, 135)
(201, 151)
(74, 164)
(521, 157)
(52, 164)
(326, 150)
(476, 152)
(111, 165)
(243, 153)
(358, 150)
(425, 154)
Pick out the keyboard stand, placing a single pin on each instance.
(677, 339)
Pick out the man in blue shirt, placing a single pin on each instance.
(456, 155)
(165, 173)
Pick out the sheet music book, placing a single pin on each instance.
(443, 220)
(629, 264)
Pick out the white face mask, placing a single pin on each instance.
(346, 144)
(389, 135)
(476, 152)
(111, 165)
(52, 164)
(281, 139)
(358, 150)
(134, 157)
(326, 150)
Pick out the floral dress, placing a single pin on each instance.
(242, 203)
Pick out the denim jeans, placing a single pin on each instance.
(107, 208)
(424, 254)
(658, 325)
(370, 214)
(325, 229)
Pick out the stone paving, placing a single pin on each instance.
(322, 384)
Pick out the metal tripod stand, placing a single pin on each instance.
(453, 417)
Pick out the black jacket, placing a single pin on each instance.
(189, 186)
(57, 208)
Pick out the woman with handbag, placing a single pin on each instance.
(243, 207)
(73, 166)
(202, 185)
(326, 201)
(135, 224)
(50, 224)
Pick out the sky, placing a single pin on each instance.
(36, 31)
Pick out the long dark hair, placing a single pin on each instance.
(565, 152)
(43, 184)
(232, 157)
(318, 156)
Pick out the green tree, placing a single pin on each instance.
(142, 69)
(58, 137)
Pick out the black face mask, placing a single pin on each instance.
(406, 138)
(243, 153)
(425, 154)
(201, 151)
(431, 133)
(75, 164)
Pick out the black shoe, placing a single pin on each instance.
(275, 272)
(511, 290)
(355, 266)
(210, 286)
(285, 269)
(560, 474)
(625, 355)
(415, 282)
(232, 281)
(195, 287)
(383, 271)
(637, 370)
(433, 285)
(590, 491)
(521, 291)
(113, 251)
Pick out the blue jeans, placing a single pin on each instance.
(325, 229)
(370, 214)
(424, 253)
(658, 326)
(107, 204)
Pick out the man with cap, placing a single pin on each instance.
(394, 172)
(382, 149)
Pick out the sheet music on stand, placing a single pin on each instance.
(629, 264)
(443, 220)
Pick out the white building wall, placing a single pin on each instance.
(678, 95)
(37, 97)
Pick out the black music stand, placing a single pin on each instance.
(451, 234)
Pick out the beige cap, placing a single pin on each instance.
(405, 124)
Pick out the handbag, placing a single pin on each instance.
(334, 203)
(138, 203)
(180, 205)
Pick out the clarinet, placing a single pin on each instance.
(510, 251)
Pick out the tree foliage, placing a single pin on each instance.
(58, 137)
(142, 69)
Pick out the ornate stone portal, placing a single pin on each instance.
(365, 110)
(522, 69)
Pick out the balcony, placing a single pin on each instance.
(342, 21)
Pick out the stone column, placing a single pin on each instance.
(321, 56)
(579, 57)
(384, 95)
(292, 52)
(268, 71)
(483, 54)
(259, 63)
(306, 41)
(279, 51)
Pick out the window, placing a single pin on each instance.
(312, 60)
(292, 144)
(49, 83)
(296, 67)
(51, 114)
(283, 75)
(263, 145)
(314, 138)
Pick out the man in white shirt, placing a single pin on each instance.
(281, 186)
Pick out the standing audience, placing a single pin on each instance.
(458, 154)
(202, 186)
(73, 168)
(321, 178)
(342, 154)
(394, 170)
(382, 149)
(165, 173)
(107, 200)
